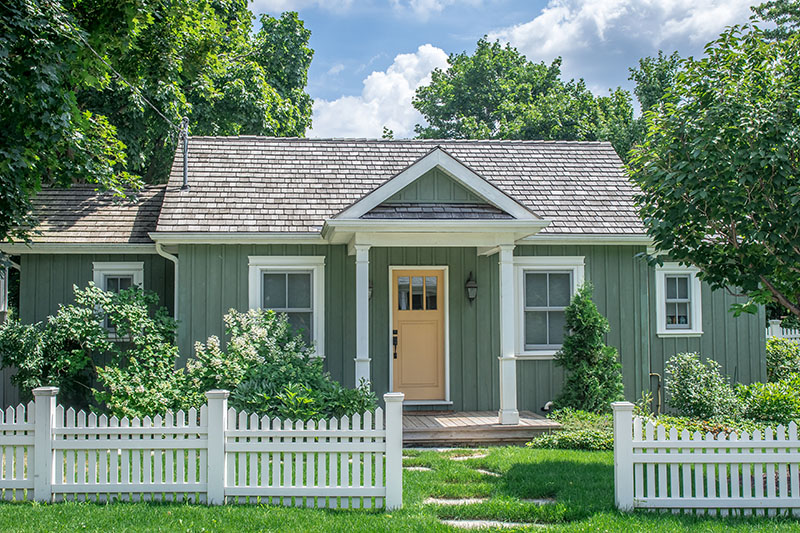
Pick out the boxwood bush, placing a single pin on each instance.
(783, 358)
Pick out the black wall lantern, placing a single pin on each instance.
(472, 288)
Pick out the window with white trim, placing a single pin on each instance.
(678, 301)
(117, 277)
(544, 286)
(293, 285)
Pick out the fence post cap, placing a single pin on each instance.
(45, 391)
(774, 321)
(390, 397)
(218, 394)
(622, 406)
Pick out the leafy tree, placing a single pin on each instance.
(653, 78)
(784, 13)
(594, 379)
(498, 93)
(719, 169)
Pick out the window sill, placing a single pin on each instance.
(539, 355)
(686, 333)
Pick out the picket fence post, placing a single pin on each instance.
(774, 329)
(394, 449)
(217, 425)
(44, 418)
(623, 455)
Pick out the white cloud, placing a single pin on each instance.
(599, 39)
(279, 6)
(423, 9)
(384, 101)
(335, 69)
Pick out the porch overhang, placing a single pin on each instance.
(465, 233)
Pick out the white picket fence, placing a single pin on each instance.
(212, 455)
(775, 330)
(735, 474)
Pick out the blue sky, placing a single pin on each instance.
(370, 55)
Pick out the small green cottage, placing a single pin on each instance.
(437, 268)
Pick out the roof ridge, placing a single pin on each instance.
(393, 141)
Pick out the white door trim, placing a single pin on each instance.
(446, 298)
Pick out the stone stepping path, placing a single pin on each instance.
(417, 468)
(468, 501)
(482, 524)
(467, 457)
(487, 472)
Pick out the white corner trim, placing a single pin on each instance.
(315, 263)
(575, 263)
(453, 168)
(696, 303)
(129, 268)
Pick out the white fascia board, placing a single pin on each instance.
(437, 226)
(237, 238)
(453, 168)
(75, 248)
(589, 239)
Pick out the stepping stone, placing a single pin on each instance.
(453, 501)
(538, 501)
(417, 468)
(466, 457)
(481, 524)
(487, 472)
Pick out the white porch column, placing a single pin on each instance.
(508, 360)
(362, 314)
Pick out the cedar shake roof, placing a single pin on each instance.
(267, 184)
(82, 215)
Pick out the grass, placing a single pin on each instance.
(580, 482)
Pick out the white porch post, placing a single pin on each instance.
(508, 360)
(362, 314)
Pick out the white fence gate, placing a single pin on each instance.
(214, 455)
(748, 474)
(775, 330)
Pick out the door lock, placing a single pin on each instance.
(394, 342)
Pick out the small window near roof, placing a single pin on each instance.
(678, 294)
(117, 277)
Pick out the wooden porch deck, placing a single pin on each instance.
(421, 428)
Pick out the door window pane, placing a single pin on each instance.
(535, 289)
(402, 293)
(274, 288)
(299, 289)
(416, 293)
(431, 287)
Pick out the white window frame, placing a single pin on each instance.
(544, 263)
(129, 268)
(695, 328)
(258, 264)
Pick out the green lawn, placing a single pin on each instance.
(581, 483)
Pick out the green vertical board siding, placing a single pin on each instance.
(214, 279)
(435, 186)
(46, 282)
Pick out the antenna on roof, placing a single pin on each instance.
(185, 138)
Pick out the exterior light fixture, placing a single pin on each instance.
(472, 288)
(369, 291)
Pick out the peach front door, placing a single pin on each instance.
(418, 334)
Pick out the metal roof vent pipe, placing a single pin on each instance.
(185, 139)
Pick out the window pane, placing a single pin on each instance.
(302, 325)
(125, 282)
(682, 314)
(299, 290)
(430, 292)
(274, 291)
(535, 289)
(556, 323)
(416, 292)
(560, 289)
(118, 283)
(535, 327)
(402, 293)
(672, 287)
(672, 314)
(683, 287)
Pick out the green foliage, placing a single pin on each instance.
(581, 430)
(270, 371)
(498, 93)
(777, 402)
(783, 358)
(784, 13)
(594, 377)
(725, 425)
(719, 169)
(698, 389)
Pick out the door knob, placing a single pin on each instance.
(394, 342)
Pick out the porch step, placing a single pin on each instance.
(471, 428)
